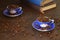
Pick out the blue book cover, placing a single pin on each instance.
(36, 2)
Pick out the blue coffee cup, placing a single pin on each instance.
(36, 25)
(18, 10)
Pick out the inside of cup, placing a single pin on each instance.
(44, 19)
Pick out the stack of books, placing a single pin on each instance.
(44, 6)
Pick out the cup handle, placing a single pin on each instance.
(7, 6)
(20, 8)
(52, 21)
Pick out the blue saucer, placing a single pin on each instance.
(36, 25)
(18, 10)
